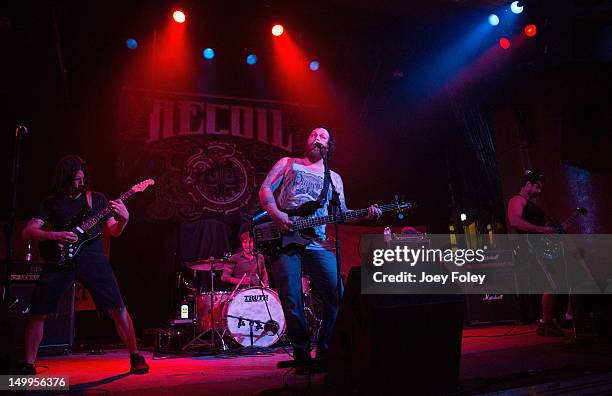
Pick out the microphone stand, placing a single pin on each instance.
(335, 206)
(9, 228)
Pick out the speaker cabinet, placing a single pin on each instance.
(386, 343)
(483, 309)
(59, 327)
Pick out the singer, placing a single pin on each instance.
(295, 182)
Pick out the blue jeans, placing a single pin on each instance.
(320, 265)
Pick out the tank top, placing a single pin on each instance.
(533, 214)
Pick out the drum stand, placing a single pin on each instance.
(259, 325)
(213, 331)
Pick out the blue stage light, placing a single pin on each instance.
(314, 65)
(493, 20)
(131, 43)
(516, 8)
(208, 53)
(251, 59)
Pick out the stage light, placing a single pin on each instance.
(314, 65)
(504, 43)
(277, 30)
(179, 16)
(208, 53)
(131, 43)
(516, 8)
(251, 59)
(493, 20)
(530, 30)
(463, 217)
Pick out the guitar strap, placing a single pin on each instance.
(323, 196)
(88, 198)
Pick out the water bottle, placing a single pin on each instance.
(28, 256)
(387, 234)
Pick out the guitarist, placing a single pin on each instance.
(70, 200)
(527, 217)
(289, 184)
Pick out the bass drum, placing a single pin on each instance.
(255, 317)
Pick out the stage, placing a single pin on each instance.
(511, 358)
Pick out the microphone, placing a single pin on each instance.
(319, 146)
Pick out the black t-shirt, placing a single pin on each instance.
(60, 211)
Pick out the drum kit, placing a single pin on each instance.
(250, 316)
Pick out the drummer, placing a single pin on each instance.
(245, 264)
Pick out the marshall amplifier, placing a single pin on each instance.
(492, 308)
(482, 309)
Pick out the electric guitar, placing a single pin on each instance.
(548, 246)
(62, 253)
(269, 239)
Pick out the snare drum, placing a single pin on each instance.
(203, 310)
(254, 316)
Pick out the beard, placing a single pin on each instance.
(78, 190)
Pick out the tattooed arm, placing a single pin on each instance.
(33, 230)
(266, 194)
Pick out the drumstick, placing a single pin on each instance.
(238, 285)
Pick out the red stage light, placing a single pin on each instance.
(277, 30)
(179, 16)
(530, 30)
(504, 43)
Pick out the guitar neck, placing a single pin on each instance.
(94, 219)
(570, 220)
(351, 215)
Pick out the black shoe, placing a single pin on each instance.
(320, 365)
(303, 361)
(26, 369)
(138, 364)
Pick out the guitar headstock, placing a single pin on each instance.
(400, 206)
(143, 185)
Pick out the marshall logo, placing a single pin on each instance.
(492, 297)
(255, 298)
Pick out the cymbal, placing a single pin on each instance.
(208, 265)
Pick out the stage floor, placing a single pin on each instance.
(493, 358)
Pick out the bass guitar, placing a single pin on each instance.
(61, 253)
(269, 239)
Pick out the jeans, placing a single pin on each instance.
(320, 265)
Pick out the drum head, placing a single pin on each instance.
(248, 310)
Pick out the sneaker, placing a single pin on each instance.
(549, 330)
(138, 364)
(26, 369)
